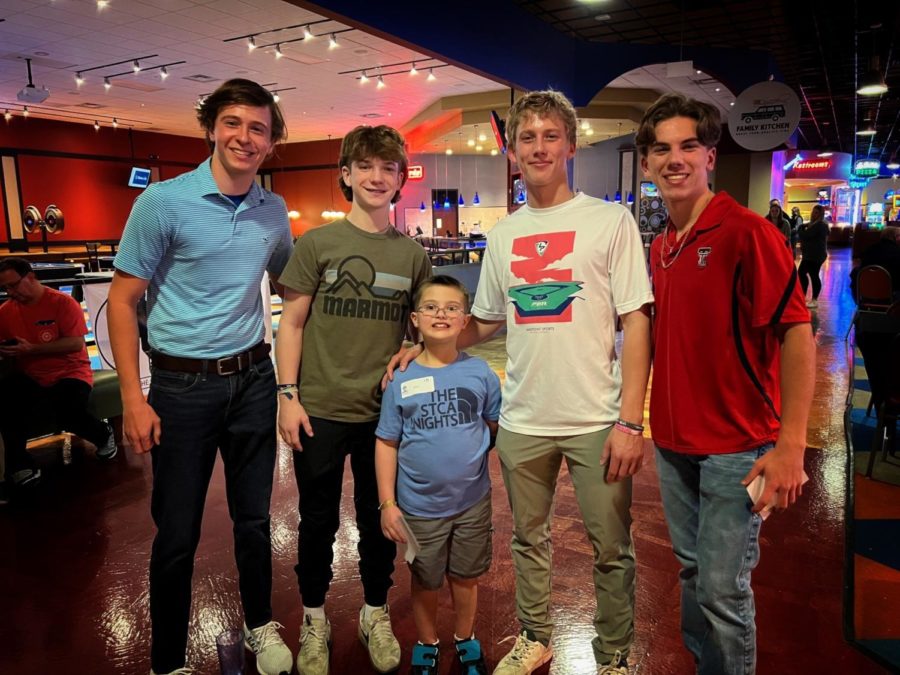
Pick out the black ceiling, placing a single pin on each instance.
(820, 49)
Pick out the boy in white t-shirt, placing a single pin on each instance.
(558, 273)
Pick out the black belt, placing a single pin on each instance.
(227, 365)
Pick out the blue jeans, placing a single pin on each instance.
(200, 414)
(715, 537)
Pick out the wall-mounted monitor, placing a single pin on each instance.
(140, 177)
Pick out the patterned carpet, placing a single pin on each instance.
(875, 536)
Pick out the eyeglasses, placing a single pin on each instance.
(12, 286)
(450, 311)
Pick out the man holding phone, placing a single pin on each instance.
(43, 330)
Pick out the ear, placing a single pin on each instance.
(466, 319)
(711, 160)
(571, 153)
(414, 317)
(511, 153)
(345, 174)
(645, 166)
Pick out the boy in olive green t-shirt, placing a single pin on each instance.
(348, 290)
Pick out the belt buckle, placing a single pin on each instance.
(220, 365)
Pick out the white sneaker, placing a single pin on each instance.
(618, 666)
(525, 657)
(272, 655)
(315, 646)
(378, 637)
(812, 304)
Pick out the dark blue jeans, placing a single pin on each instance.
(201, 414)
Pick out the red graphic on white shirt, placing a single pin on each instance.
(534, 263)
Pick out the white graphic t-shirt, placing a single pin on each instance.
(560, 277)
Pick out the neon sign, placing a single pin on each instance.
(415, 172)
(813, 165)
(867, 167)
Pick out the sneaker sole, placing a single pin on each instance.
(365, 641)
(109, 456)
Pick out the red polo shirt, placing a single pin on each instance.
(55, 315)
(716, 362)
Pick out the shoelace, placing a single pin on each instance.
(380, 631)
(265, 636)
(520, 650)
(614, 667)
(315, 636)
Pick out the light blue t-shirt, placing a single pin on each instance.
(204, 258)
(438, 415)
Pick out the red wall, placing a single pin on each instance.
(92, 189)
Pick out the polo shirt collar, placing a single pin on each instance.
(207, 184)
(714, 213)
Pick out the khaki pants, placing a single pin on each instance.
(530, 468)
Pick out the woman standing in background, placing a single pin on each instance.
(814, 249)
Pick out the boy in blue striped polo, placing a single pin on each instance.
(213, 383)
(348, 292)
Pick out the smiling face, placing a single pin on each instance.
(243, 139)
(541, 149)
(373, 182)
(441, 314)
(678, 163)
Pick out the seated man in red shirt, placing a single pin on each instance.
(43, 330)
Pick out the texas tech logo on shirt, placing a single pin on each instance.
(547, 295)
(702, 254)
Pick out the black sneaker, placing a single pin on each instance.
(471, 660)
(425, 660)
(109, 449)
(26, 478)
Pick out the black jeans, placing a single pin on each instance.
(809, 270)
(22, 401)
(200, 414)
(319, 470)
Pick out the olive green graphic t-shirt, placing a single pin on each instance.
(362, 284)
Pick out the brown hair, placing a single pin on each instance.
(709, 122)
(239, 92)
(18, 265)
(441, 280)
(365, 142)
(542, 104)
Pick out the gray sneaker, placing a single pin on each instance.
(272, 655)
(109, 449)
(378, 637)
(315, 646)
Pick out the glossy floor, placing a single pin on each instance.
(73, 567)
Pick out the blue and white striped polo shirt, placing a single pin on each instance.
(204, 259)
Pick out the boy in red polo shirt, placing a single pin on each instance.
(733, 377)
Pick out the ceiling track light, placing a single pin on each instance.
(96, 125)
(251, 43)
(363, 78)
(102, 4)
(431, 77)
(25, 111)
(136, 66)
(412, 70)
(79, 79)
(381, 83)
(307, 34)
(106, 83)
(7, 115)
(115, 123)
(332, 42)
(163, 73)
(278, 53)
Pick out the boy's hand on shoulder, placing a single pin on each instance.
(391, 524)
(400, 360)
(292, 416)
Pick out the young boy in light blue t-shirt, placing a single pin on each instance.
(431, 458)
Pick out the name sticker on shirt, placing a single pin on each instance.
(421, 385)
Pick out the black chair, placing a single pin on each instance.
(886, 395)
(93, 254)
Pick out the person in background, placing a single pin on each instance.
(43, 330)
(436, 423)
(796, 221)
(814, 252)
(778, 219)
(198, 245)
(723, 282)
